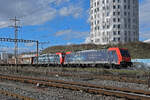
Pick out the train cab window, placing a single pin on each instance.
(124, 53)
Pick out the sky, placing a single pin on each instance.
(58, 22)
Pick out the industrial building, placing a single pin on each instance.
(3, 57)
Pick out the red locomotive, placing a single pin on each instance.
(123, 55)
(112, 57)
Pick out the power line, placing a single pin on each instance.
(23, 41)
(16, 40)
(15, 26)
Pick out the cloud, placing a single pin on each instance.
(63, 32)
(87, 40)
(40, 17)
(30, 44)
(145, 35)
(144, 12)
(71, 34)
(88, 14)
(145, 19)
(35, 12)
(75, 11)
(69, 43)
(58, 2)
(12, 49)
(147, 41)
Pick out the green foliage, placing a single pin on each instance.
(137, 50)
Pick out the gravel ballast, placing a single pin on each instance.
(50, 93)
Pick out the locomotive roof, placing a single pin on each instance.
(47, 54)
(92, 50)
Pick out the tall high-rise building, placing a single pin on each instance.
(114, 21)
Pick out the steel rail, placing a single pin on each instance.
(90, 88)
(120, 78)
(104, 77)
(17, 96)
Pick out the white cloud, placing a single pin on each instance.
(69, 43)
(34, 12)
(75, 11)
(145, 35)
(145, 12)
(147, 41)
(71, 34)
(145, 19)
(63, 32)
(29, 44)
(60, 1)
(87, 40)
(88, 14)
(40, 17)
(12, 49)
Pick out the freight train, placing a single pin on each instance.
(112, 57)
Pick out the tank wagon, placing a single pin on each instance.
(112, 57)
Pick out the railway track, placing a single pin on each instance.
(90, 88)
(17, 96)
(104, 77)
(119, 78)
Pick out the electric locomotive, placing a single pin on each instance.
(112, 57)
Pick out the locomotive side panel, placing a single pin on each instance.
(48, 59)
(92, 57)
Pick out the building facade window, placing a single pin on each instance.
(119, 39)
(117, 18)
(119, 26)
(114, 7)
(118, 32)
(114, 13)
(114, 32)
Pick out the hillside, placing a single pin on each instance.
(137, 50)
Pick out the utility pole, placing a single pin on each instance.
(37, 53)
(15, 26)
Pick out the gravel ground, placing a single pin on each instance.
(4, 97)
(50, 93)
(63, 94)
(98, 82)
(93, 81)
